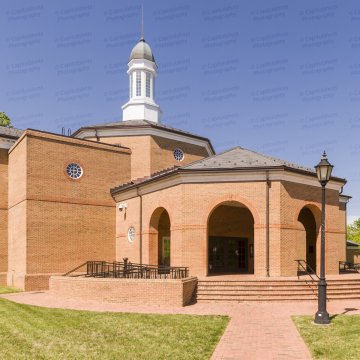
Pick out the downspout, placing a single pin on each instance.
(267, 224)
(140, 224)
(345, 227)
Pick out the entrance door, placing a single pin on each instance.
(227, 254)
(166, 251)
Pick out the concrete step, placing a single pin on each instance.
(272, 298)
(275, 293)
(276, 283)
(276, 288)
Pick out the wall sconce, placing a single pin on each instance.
(251, 250)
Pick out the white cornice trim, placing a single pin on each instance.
(142, 63)
(343, 199)
(6, 143)
(145, 131)
(226, 176)
(142, 102)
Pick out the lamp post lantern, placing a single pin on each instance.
(323, 172)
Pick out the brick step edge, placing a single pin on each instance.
(347, 289)
(313, 298)
(267, 300)
(293, 283)
(277, 294)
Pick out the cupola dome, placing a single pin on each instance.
(142, 51)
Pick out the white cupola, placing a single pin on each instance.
(142, 73)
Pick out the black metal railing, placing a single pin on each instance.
(121, 270)
(303, 266)
(348, 266)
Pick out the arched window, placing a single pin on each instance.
(153, 87)
(131, 85)
(138, 83)
(147, 84)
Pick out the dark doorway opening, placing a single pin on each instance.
(228, 254)
(307, 235)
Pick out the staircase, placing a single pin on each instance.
(273, 290)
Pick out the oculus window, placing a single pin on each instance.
(178, 155)
(74, 170)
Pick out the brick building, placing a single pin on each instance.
(182, 205)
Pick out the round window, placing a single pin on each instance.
(178, 155)
(74, 170)
(131, 234)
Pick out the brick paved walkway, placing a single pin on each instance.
(261, 331)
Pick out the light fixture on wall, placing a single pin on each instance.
(122, 206)
(251, 250)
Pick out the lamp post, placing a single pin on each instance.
(323, 172)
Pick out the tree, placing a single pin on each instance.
(5, 120)
(353, 231)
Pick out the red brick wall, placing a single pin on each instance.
(129, 217)
(153, 153)
(342, 231)
(62, 236)
(190, 205)
(17, 245)
(17, 215)
(3, 215)
(162, 153)
(153, 292)
(63, 222)
(294, 197)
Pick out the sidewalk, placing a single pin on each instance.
(257, 331)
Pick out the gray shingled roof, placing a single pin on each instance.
(139, 123)
(236, 158)
(351, 243)
(6, 131)
(239, 157)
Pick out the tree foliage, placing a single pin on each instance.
(5, 120)
(353, 231)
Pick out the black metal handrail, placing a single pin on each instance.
(128, 270)
(301, 264)
(348, 266)
(77, 268)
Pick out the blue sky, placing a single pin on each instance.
(281, 78)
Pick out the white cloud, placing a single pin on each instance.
(351, 219)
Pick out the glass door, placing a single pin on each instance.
(227, 254)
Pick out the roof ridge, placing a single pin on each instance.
(277, 159)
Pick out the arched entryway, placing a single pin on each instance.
(231, 239)
(160, 239)
(307, 237)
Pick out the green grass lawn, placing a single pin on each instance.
(31, 332)
(341, 341)
(8, 290)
